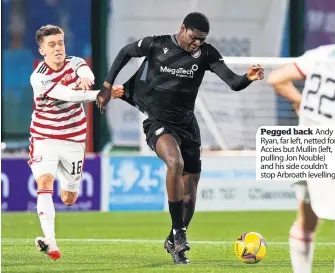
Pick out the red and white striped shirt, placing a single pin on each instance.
(59, 112)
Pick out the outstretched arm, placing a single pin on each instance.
(234, 81)
(282, 81)
(44, 87)
(65, 93)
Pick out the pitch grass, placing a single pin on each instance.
(220, 229)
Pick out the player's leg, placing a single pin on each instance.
(191, 177)
(302, 231)
(70, 170)
(43, 162)
(191, 181)
(168, 150)
(164, 141)
(322, 199)
(191, 153)
(190, 190)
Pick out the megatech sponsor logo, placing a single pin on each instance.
(180, 72)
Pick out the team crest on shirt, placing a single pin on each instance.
(66, 79)
(196, 54)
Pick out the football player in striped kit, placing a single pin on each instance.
(58, 128)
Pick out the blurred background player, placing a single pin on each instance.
(315, 106)
(58, 128)
(165, 87)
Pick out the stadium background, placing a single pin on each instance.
(120, 175)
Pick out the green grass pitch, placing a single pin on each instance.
(133, 242)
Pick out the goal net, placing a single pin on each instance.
(229, 120)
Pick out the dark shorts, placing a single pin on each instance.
(188, 138)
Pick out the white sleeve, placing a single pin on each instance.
(305, 63)
(85, 72)
(60, 92)
(82, 69)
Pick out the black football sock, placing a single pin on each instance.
(177, 214)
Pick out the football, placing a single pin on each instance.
(250, 248)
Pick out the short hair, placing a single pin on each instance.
(196, 20)
(46, 31)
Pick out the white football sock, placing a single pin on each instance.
(301, 249)
(46, 213)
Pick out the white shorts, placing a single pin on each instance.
(320, 194)
(63, 159)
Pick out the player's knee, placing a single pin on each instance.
(45, 181)
(68, 201)
(175, 163)
(69, 198)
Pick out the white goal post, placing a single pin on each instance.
(229, 120)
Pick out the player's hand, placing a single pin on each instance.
(255, 72)
(117, 91)
(85, 84)
(103, 98)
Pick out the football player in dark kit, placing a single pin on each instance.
(165, 89)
